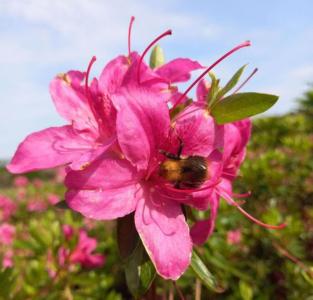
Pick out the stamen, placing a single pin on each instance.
(229, 199)
(245, 44)
(244, 195)
(132, 19)
(187, 191)
(244, 83)
(87, 91)
(168, 32)
(184, 114)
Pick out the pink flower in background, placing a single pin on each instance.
(53, 199)
(38, 183)
(7, 208)
(234, 237)
(36, 205)
(20, 181)
(82, 253)
(7, 233)
(7, 261)
(68, 231)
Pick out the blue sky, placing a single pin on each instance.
(40, 38)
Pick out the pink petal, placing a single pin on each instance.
(105, 204)
(198, 131)
(201, 230)
(107, 172)
(202, 91)
(92, 154)
(48, 148)
(71, 102)
(165, 234)
(178, 70)
(236, 137)
(113, 74)
(142, 124)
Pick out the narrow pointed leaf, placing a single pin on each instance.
(211, 97)
(202, 272)
(231, 83)
(157, 58)
(127, 236)
(241, 106)
(139, 270)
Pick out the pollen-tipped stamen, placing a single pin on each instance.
(242, 45)
(244, 83)
(230, 200)
(168, 32)
(132, 19)
(87, 91)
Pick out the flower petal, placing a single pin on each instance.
(71, 102)
(113, 74)
(142, 124)
(48, 148)
(165, 235)
(92, 155)
(202, 91)
(178, 70)
(198, 131)
(202, 229)
(107, 172)
(105, 204)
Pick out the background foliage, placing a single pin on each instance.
(248, 261)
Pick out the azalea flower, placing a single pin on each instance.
(7, 233)
(82, 253)
(20, 181)
(235, 136)
(234, 237)
(89, 111)
(7, 208)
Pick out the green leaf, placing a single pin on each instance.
(246, 290)
(157, 58)
(242, 105)
(204, 274)
(139, 272)
(214, 89)
(127, 236)
(231, 83)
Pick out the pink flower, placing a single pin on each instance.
(53, 199)
(7, 233)
(68, 231)
(89, 111)
(7, 260)
(36, 205)
(236, 137)
(20, 181)
(121, 183)
(82, 254)
(7, 208)
(234, 237)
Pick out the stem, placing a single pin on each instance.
(198, 290)
(244, 83)
(245, 44)
(168, 32)
(132, 19)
